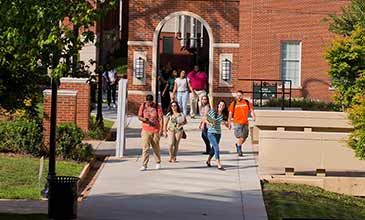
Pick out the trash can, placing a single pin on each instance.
(62, 197)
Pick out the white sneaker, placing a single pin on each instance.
(143, 168)
(158, 166)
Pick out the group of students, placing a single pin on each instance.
(183, 88)
(154, 126)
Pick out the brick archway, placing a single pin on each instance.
(155, 47)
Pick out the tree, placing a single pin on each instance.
(351, 17)
(347, 65)
(34, 37)
(347, 70)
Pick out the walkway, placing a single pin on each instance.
(185, 190)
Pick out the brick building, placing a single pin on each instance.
(262, 40)
(256, 39)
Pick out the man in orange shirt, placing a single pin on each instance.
(238, 111)
(150, 114)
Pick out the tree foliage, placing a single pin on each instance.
(36, 35)
(347, 70)
(351, 17)
(347, 65)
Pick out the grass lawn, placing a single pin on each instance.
(19, 176)
(301, 201)
(9, 216)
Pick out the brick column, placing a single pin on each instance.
(66, 109)
(83, 99)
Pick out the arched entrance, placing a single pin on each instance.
(156, 48)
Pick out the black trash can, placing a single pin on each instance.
(62, 197)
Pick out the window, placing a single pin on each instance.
(168, 45)
(291, 62)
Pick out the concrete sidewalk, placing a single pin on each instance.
(184, 190)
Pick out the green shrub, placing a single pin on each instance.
(69, 143)
(21, 136)
(97, 133)
(357, 137)
(304, 104)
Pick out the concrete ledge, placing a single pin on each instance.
(60, 92)
(73, 80)
(305, 119)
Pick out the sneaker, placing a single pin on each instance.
(114, 105)
(143, 168)
(158, 166)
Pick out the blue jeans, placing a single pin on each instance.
(182, 100)
(204, 136)
(214, 140)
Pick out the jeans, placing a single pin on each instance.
(182, 100)
(214, 139)
(204, 136)
(110, 89)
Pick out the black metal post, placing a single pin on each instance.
(52, 135)
(99, 114)
(282, 94)
(261, 94)
(290, 93)
(253, 92)
(74, 57)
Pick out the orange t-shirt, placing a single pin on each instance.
(152, 115)
(241, 111)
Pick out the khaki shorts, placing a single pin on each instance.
(241, 130)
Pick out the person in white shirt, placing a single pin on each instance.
(110, 78)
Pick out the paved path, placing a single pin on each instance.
(184, 190)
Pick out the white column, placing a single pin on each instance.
(120, 16)
(182, 42)
(192, 32)
(121, 117)
(201, 34)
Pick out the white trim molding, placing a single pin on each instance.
(223, 94)
(73, 80)
(226, 45)
(156, 38)
(140, 43)
(61, 92)
(139, 92)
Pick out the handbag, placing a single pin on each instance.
(183, 136)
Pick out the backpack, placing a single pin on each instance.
(234, 106)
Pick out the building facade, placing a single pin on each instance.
(234, 41)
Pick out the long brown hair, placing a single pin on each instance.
(170, 111)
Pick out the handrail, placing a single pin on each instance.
(262, 84)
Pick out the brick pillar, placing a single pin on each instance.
(83, 99)
(66, 109)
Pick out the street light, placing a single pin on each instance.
(99, 115)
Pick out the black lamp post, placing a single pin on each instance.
(99, 114)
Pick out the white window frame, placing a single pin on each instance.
(300, 63)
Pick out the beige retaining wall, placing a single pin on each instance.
(305, 140)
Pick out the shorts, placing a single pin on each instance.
(241, 130)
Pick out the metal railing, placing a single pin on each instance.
(269, 88)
